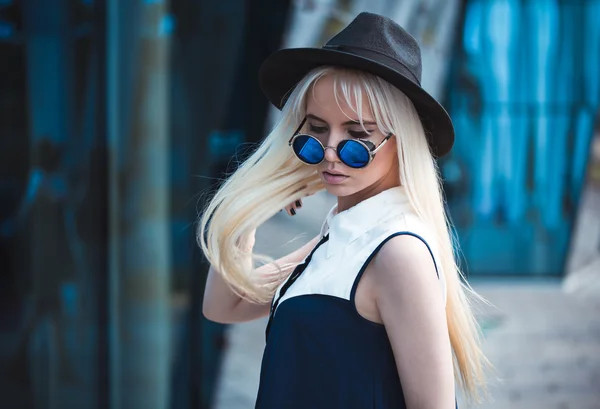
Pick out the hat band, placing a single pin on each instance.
(377, 57)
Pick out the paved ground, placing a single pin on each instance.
(545, 347)
(543, 341)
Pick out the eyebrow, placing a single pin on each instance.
(351, 122)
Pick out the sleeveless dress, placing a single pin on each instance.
(320, 352)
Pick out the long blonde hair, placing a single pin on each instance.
(272, 177)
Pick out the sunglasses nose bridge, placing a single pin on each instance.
(331, 144)
(330, 153)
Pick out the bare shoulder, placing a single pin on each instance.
(411, 307)
(404, 266)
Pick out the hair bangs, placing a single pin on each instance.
(351, 88)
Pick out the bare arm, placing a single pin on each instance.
(224, 306)
(412, 309)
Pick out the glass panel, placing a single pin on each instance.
(52, 217)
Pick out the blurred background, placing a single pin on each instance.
(118, 116)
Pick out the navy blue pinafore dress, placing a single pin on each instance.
(320, 352)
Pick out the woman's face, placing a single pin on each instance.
(331, 122)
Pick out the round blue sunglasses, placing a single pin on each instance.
(355, 153)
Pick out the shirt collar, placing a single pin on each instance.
(347, 226)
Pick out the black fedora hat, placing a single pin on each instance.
(374, 44)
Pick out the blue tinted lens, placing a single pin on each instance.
(353, 154)
(308, 149)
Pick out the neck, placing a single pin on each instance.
(346, 202)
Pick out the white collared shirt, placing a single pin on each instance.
(355, 236)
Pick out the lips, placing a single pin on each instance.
(333, 178)
(334, 172)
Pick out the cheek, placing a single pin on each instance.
(386, 158)
(378, 169)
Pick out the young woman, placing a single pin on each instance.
(372, 312)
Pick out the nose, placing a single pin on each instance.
(330, 149)
(331, 154)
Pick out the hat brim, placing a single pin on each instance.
(284, 69)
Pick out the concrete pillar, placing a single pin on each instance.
(138, 74)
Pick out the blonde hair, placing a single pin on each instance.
(272, 178)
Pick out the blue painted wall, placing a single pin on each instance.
(523, 93)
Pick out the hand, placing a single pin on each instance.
(246, 244)
(291, 209)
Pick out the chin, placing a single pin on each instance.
(340, 190)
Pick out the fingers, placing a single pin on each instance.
(246, 243)
(303, 189)
(293, 208)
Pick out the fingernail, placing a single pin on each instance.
(293, 212)
(298, 203)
